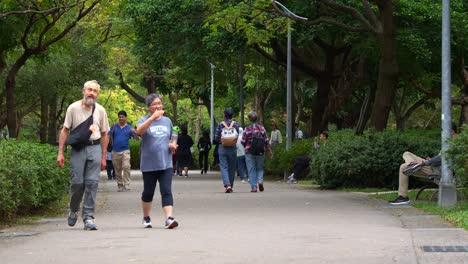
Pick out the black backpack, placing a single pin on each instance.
(257, 147)
(80, 135)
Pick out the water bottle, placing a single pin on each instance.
(175, 134)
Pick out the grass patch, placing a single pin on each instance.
(367, 190)
(457, 215)
(54, 209)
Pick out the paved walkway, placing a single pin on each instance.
(284, 224)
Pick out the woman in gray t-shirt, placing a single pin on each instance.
(156, 159)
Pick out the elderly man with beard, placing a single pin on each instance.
(87, 162)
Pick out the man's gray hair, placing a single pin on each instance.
(88, 83)
(150, 98)
(252, 116)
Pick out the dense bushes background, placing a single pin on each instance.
(371, 160)
(29, 177)
(347, 160)
(458, 152)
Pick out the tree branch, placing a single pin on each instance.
(127, 88)
(42, 12)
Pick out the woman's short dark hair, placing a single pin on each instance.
(324, 133)
(184, 130)
(150, 98)
(252, 116)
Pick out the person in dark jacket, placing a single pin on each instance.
(184, 155)
(204, 147)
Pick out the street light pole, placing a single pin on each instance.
(290, 15)
(447, 190)
(288, 92)
(212, 102)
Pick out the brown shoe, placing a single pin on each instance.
(260, 187)
(254, 190)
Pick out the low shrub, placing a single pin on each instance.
(284, 160)
(135, 154)
(29, 177)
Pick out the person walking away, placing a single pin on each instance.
(226, 136)
(156, 160)
(255, 141)
(204, 147)
(241, 166)
(109, 167)
(120, 135)
(184, 155)
(275, 137)
(87, 160)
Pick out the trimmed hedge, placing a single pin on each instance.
(458, 152)
(372, 160)
(29, 177)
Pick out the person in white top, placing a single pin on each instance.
(241, 165)
(298, 134)
(275, 137)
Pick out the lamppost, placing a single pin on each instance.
(212, 102)
(447, 190)
(282, 9)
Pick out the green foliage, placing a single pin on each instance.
(135, 154)
(29, 177)
(371, 160)
(458, 152)
(284, 160)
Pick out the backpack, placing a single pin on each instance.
(80, 135)
(257, 147)
(229, 135)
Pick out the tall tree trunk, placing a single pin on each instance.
(388, 67)
(320, 103)
(365, 110)
(199, 128)
(10, 98)
(174, 97)
(52, 129)
(44, 120)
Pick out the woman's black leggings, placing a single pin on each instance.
(203, 160)
(150, 179)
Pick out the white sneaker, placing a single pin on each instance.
(243, 181)
(171, 223)
(147, 222)
(89, 225)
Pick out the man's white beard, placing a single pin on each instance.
(89, 101)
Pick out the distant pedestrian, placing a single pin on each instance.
(109, 166)
(275, 137)
(241, 165)
(226, 136)
(204, 147)
(255, 141)
(301, 163)
(184, 153)
(298, 134)
(88, 157)
(120, 134)
(156, 160)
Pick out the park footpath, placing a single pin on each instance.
(284, 224)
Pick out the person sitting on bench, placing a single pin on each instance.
(301, 163)
(419, 167)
